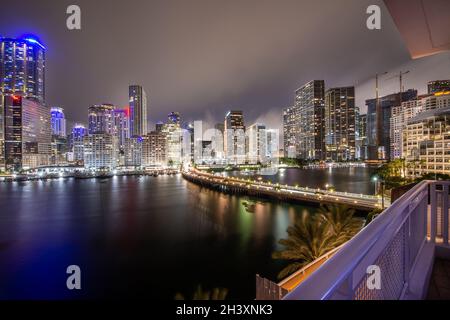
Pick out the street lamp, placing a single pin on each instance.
(375, 179)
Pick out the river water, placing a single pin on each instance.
(144, 237)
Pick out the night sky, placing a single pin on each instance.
(204, 57)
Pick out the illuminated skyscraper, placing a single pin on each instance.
(122, 126)
(340, 123)
(290, 131)
(309, 109)
(58, 122)
(138, 110)
(27, 133)
(101, 119)
(22, 68)
(234, 137)
(77, 136)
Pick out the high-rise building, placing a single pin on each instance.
(101, 119)
(361, 136)
(378, 134)
(438, 86)
(122, 126)
(425, 142)
(138, 110)
(310, 106)
(290, 131)
(100, 151)
(22, 68)
(234, 137)
(154, 149)
(133, 151)
(409, 109)
(340, 116)
(172, 131)
(79, 131)
(58, 122)
(256, 143)
(27, 133)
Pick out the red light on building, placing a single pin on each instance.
(16, 100)
(127, 111)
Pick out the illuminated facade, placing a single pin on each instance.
(22, 68)
(290, 131)
(100, 151)
(79, 131)
(58, 122)
(310, 107)
(133, 151)
(122, 126)
(101, 119)
(172, 131)
(138, 110)
(27, 133)
(426, 142)
(340, 124)
(409, 109)
(256, 143)
(234, 137)
(154, 149)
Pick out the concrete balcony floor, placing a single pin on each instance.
(439, 288)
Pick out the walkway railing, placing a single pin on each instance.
(400, 242)
(285, 191)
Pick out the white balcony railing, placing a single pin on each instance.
(401, 242)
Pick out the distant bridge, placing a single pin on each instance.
(282, 192)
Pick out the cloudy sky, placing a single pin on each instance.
(204, 57)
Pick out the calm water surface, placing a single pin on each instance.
(137, 237)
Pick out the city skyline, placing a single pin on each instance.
(249, 80)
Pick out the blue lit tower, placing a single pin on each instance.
(58, 122)
(78, 133)
(22, 68)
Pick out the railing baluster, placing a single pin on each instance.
(433, 207)
(445, 212)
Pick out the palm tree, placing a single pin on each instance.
(341, 220)
(308, 239)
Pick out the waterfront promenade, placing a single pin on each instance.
(260, 188)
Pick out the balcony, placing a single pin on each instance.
(409, 243)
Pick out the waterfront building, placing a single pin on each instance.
(273, 143)
(138, 110)
(378, 132)
(409, 109)
(133, 151)
(154, 149)
(361, 136)
(426, 142)
(22, 68)
(290, 131)
(172, 131)
(340, 124)
(58, 122)
(59, 150)
(122, 126)
(79, 131)
(234, 137)
(99, 151)
(256, 141)
(310, 107)
(27, 133)
(436, 86)
(101, 119)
